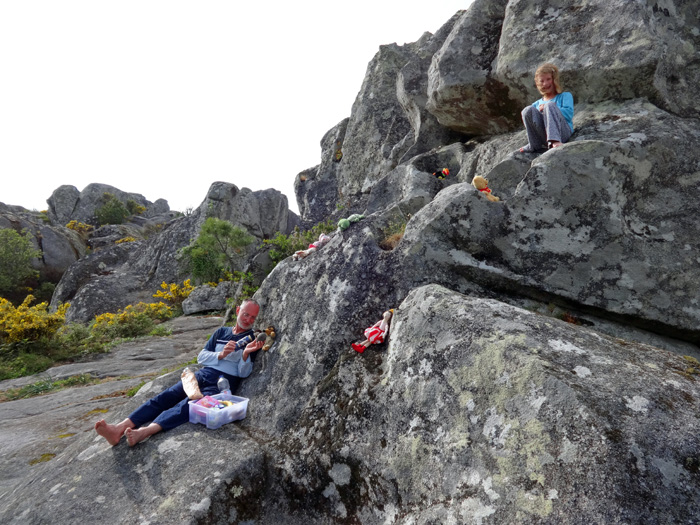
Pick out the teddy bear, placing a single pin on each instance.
(268, 335)
(482, 184)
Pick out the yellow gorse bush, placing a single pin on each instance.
(29, 322)
(131, 321)
(80, 227)
(173, 293)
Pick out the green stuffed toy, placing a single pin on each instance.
(344, 224)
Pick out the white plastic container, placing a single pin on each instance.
(216, 417)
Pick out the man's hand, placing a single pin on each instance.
(229, 348)
(252, 347)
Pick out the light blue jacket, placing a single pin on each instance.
(233, 364)
(565, 103)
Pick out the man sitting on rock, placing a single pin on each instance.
(170, 408)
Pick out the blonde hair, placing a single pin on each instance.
(549, 69)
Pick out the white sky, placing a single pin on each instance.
(163, 98)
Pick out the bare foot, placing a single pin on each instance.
(112, 433)
(137, 435)
(554, 144)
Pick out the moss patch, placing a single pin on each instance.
(42, 459)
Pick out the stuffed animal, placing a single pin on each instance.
(442, 174)
(270, 339)
(322, 241)
(482, 184)
(344, 224)
(376, 333)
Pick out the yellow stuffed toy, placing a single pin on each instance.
(482, 184)
(269, 337)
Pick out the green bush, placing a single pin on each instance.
(112, 211)
(285, 245)
(134, 207)
(16, 254)
(220, 248)
(132, 321)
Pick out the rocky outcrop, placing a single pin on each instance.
(462, 92)
(483, 74)
(35, 430)
(209, 298)
(595, 222)
(60, 247)
(127, 273)
(542, 361)
(474, 412)
(316, 188)
(67, 203)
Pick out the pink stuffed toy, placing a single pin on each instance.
(376, 333)
(322, 241)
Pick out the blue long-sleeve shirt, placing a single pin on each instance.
(233, 363)
(565, 103)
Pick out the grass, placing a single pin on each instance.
(47, 386)
(393, 234)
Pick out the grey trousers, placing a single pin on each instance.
(544, 126)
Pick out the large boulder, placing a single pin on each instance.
(62, 204)
(412, 94)
(595, 222)
(484, 73)
(261, 213)
(316, 188)
(494, 413)
(60, 247)
(66, 203)
(207, 298)
(373, 142)
(463, 94)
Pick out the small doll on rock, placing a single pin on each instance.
(322, 241)
(376, 333)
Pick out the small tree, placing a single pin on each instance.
(16, 254)
(218, 249)
(112, 211)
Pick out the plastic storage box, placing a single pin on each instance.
(216, 417)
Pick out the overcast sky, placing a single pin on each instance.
(163, 98)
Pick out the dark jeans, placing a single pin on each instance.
(170, 408)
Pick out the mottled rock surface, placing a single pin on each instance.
(474, 412)
(542, 362)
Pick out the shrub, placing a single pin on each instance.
(134, 208)
(112, 211)
(132, 321)
(203, 264)
(173, 293)
(80, 227)
(45, 291)
(285, 245)
(248, 288)
(125, 239)
(16, 254)
(30, 323)
(393, 234)
(220, 247)
(29, 338)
